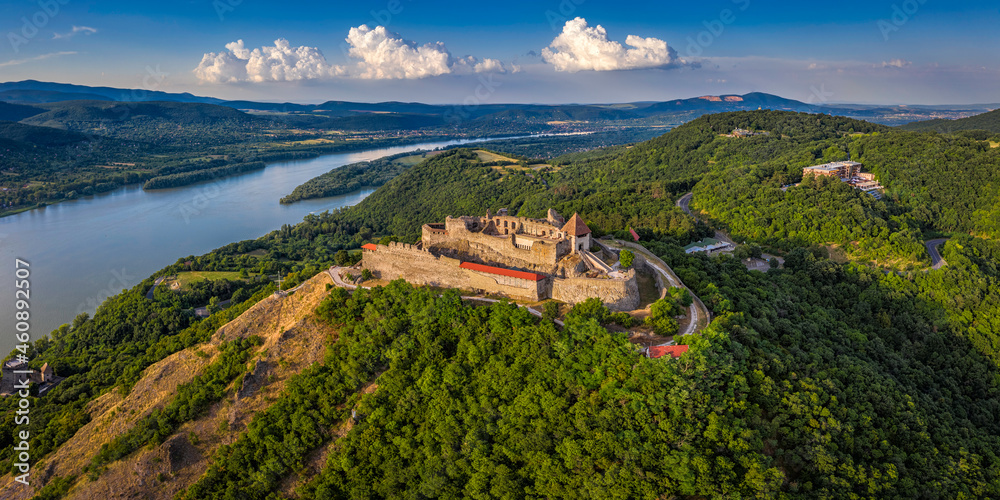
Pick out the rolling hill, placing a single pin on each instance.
(155, 123)
(815, 379)
(47, 88)
(63, 113)
(31, 135)
(41, 96)
(675, 111)
(989, 122)
(17, 112)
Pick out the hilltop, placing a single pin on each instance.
(403, 391)
(92, 115)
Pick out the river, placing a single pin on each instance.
(86, 250)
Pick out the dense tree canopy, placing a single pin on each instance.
(817, 379)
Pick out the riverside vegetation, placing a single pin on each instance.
(818, 379)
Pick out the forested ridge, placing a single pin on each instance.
(819, 379)
(348, 178)
(987, 122)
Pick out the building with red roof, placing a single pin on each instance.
(578, 232)
(674, 351)
(510, 273)
(370, 246)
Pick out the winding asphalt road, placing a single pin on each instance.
(697, 309)
(684, 201)
(937, 262)
(149, 294)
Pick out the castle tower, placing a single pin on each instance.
(578, 233)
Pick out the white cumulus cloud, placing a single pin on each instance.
(375, 53)
(278, 63)
(581, 47)
(385, 55)
(492, 66)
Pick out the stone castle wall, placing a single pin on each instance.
(502, 241)
(399, 260)
(506, 224)
(504, 251)
(617, 294)
(433, 234)
(507, 286)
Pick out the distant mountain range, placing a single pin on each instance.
(20, 100)
(32, 91)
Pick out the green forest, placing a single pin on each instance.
(349, 178)
(872, 376)
(837, 380)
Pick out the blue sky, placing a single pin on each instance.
(914, 51)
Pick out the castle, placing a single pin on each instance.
(500, 254)
(16, 370)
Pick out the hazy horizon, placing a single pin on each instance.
(569, 51)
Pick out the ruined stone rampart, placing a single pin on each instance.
(399, 260)
(518, 251)
(617, 294)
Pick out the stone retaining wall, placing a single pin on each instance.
(617, 294)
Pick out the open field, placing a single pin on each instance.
(412, 159)
(306, 142)
(488, 156)
(994, 144)
(185, 278)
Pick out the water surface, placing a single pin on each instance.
(85, 250)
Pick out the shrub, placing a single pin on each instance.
(591, 308)
(627, 257)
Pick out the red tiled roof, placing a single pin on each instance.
(575, 226)
(370, 246)
(634, 235)
(502, 272)
(674, 351)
